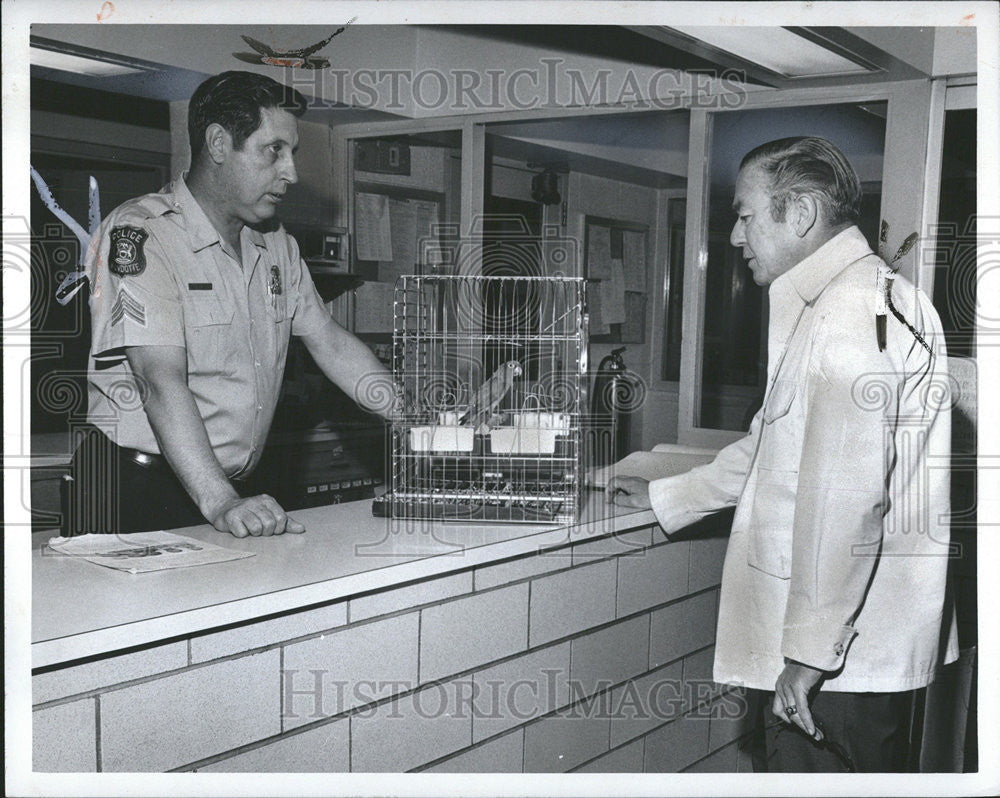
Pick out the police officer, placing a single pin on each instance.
(195, 291)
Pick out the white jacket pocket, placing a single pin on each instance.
(771, 522)
(773, 514)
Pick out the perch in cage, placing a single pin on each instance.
(490, 370)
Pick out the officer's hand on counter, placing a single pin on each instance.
(628, 492)
(258, 516)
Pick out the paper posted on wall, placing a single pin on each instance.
(142, 552)
(373, 227)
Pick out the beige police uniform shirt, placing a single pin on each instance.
(839, 548)
(160, 274)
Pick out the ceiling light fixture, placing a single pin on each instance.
(780, 50)
(49, 54)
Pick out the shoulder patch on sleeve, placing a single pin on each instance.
(126, 256)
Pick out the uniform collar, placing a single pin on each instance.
(815, 272)
(255, 236)
(200, 229)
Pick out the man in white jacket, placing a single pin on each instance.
(833, 590)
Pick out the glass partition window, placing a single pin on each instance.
(601, 190)
(406, 192)
(589, 197)
(403, 191)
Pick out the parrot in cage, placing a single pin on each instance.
(489, 396)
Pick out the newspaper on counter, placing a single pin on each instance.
(142, 552)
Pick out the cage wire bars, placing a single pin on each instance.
(491, 372)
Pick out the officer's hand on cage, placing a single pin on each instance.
(628, 492)
(256, 516)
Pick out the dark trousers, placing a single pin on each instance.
(865, 733)
(108, 492)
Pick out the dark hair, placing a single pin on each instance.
(809, 165)
(234, 100)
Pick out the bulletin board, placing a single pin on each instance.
(616, 270)
(390, 222)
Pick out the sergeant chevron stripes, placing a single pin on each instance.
(128, 305)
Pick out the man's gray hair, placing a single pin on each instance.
(809, 165)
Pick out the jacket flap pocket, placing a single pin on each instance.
(772, 519)
(780, 400)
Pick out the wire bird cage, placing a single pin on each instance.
(490, 370)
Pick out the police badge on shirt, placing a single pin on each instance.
(126, 257)
(274, 289)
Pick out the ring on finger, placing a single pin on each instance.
(791, 710)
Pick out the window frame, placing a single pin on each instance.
(907, 115)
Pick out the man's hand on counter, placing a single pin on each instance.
(258, 516)
(628, 492)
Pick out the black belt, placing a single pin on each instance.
(159, 462)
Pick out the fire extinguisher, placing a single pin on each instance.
(611, 415)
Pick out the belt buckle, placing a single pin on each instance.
(143, 459)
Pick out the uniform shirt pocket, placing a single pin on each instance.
(206, 309)
(276, 294)
(277, 308)
(209, 325)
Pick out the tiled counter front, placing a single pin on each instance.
(593, 657)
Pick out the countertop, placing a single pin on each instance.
(81, 610)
